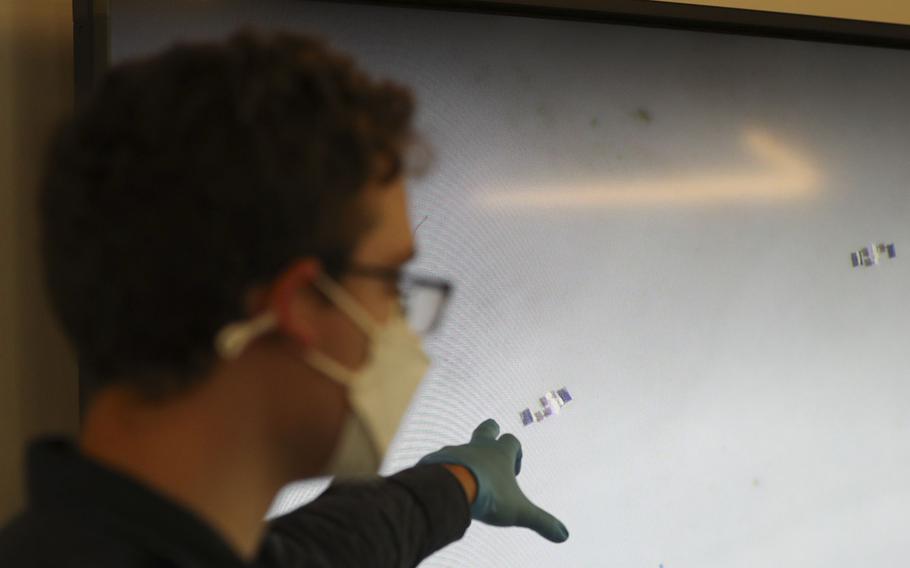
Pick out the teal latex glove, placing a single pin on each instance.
(495, 461)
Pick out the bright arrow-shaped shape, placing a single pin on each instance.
(784, 175)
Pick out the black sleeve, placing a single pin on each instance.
(388, 522)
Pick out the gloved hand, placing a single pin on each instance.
(495, 463)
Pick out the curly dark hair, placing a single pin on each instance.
(194, 175)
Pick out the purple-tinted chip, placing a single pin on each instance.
(526, 417)
(564, 394)
(548, 411)
(538, 416)
(544, 402)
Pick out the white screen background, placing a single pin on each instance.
(660, 221)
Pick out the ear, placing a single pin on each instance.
(293, 300)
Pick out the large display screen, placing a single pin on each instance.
(703, 238)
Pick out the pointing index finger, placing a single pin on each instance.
(543, 523)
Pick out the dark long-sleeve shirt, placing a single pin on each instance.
(82, 514)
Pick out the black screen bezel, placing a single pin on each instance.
(91, 23)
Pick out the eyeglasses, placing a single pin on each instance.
(423, 298)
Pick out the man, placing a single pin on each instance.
(224, 227)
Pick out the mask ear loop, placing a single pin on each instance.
(347, 304)
(234, 338)
(361, 318)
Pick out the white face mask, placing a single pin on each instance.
(379, 392)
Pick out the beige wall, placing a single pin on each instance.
(893, 11)
(37, 373)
